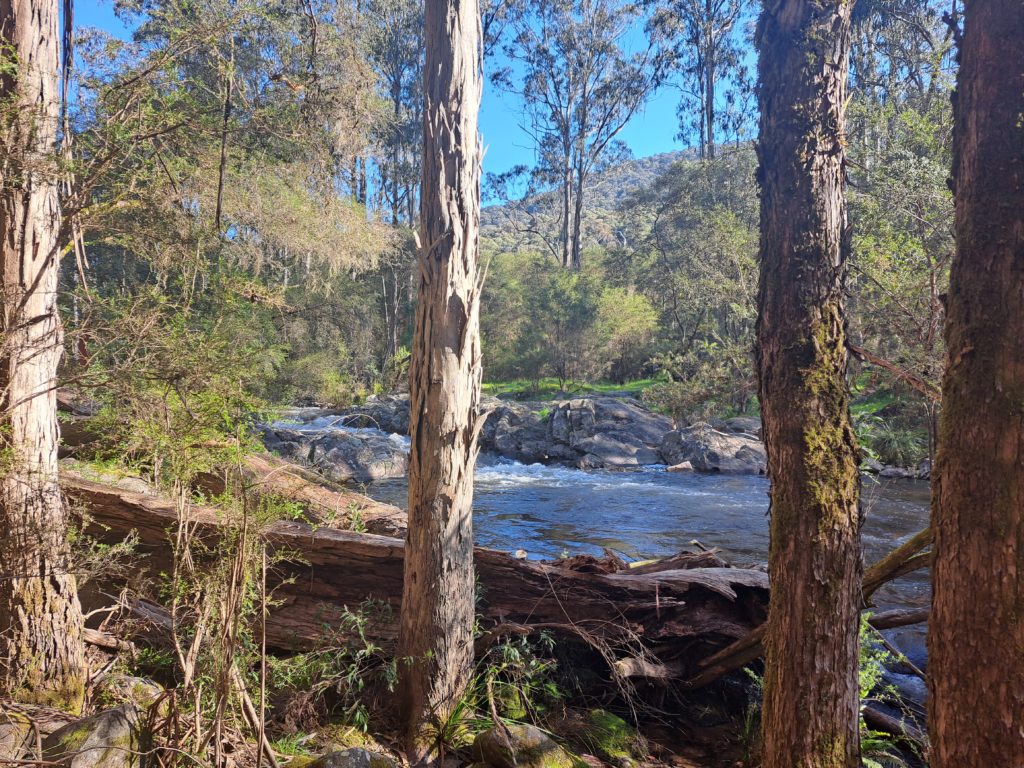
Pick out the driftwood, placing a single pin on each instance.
(673, 616)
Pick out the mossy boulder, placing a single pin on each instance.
(522, 746)
(337, 738)
(113, 738)
(603, 734)
(116, 689)
(612, 738)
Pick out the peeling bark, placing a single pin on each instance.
(436, 635)
(41, 650)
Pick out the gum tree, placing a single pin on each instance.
(41, 652)
(811, 699)
(977, 621)
(435, 647)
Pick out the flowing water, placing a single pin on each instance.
(549, 510)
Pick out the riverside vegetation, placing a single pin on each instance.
(238, 207)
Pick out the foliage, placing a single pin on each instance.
(883, 441)
(340, 677)
(579, 86)
(576, 330)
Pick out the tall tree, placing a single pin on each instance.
(579, 86)
(708, 54)
(977, 625)
(41, 652)
(396, 50)
(436, 628)
(811, 704)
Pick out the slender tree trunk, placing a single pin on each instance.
(576, 258)
(977, 626)
(41, 652)
(436, 627)
(810, 717)
(565, 234)
(709, 88)
(225, 124)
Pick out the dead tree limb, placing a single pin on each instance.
(903, 560)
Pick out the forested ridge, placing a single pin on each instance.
(257, 270)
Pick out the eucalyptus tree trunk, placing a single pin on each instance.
(436, 626)
(41, 652)
(977, 623)
(810, 716)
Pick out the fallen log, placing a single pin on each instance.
(326, 502)
(672, 616)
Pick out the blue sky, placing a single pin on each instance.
(650, 132)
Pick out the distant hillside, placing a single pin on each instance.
(604, 195)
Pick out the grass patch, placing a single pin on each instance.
(549, 388)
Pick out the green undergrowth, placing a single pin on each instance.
(550, 389)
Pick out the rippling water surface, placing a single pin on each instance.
(650, 512)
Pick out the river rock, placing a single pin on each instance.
(113, 738)
(522, 432)
(871, 465)
(747, 425)
(388, 413)
(14, 736)
(710, 450)
(586, 432)
(361, 456)
(897, 473)
(521, 746)
(610, 432)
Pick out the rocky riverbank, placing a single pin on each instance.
(367, 442)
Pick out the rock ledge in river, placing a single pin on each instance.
(706, 449)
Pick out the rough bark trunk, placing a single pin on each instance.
(41, 651)
(436, 634)
(810, 717)
(977, 626)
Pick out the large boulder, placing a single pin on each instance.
(114, 738)
(521, 746)
(587, 432)
(610, 432)
(521, 432)
(360, 455)
(706, 449)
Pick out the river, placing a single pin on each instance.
(551, 510)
